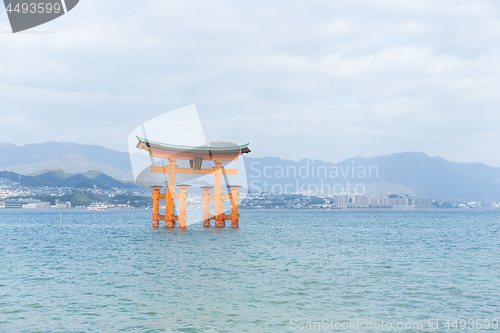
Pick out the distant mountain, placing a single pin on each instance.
(70, 157)
(59, 178)
(401, 173)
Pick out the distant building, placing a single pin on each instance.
(399, 201)
(486, 205)
(384, 202)
(341, 200)
(123, 206)
(62, 204)
(360, 201)
(373, 202)
(36, 205)
(423, 202)
(2, 205)
(18, 203)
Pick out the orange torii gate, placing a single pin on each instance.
(195, 155)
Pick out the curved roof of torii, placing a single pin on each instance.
(199, 151)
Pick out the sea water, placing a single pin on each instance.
(281, 271)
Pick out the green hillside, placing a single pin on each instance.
(59, 178)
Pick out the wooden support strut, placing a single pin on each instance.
(219, 203)
(169, 209)
(206, 205)
(182, 213)
(156, 205)
(189, 171)
(235, 216)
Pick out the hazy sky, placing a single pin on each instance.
(318, 79)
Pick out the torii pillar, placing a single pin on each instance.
(156, 205)
(182, 214)
(219, 202)
(235, 216)
(206, 205)
(169, 208)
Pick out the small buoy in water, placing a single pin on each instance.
(60, 214)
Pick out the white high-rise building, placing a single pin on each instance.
(373, 202)
(384, 202)
(360, 201)
(423, 202)
(341, 200)
(399, 201)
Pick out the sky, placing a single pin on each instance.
(311, 79)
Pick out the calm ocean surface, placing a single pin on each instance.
(111, 272)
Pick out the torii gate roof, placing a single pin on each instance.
(165, 150)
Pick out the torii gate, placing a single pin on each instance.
(195, 155)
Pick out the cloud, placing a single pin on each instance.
(316, 79)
